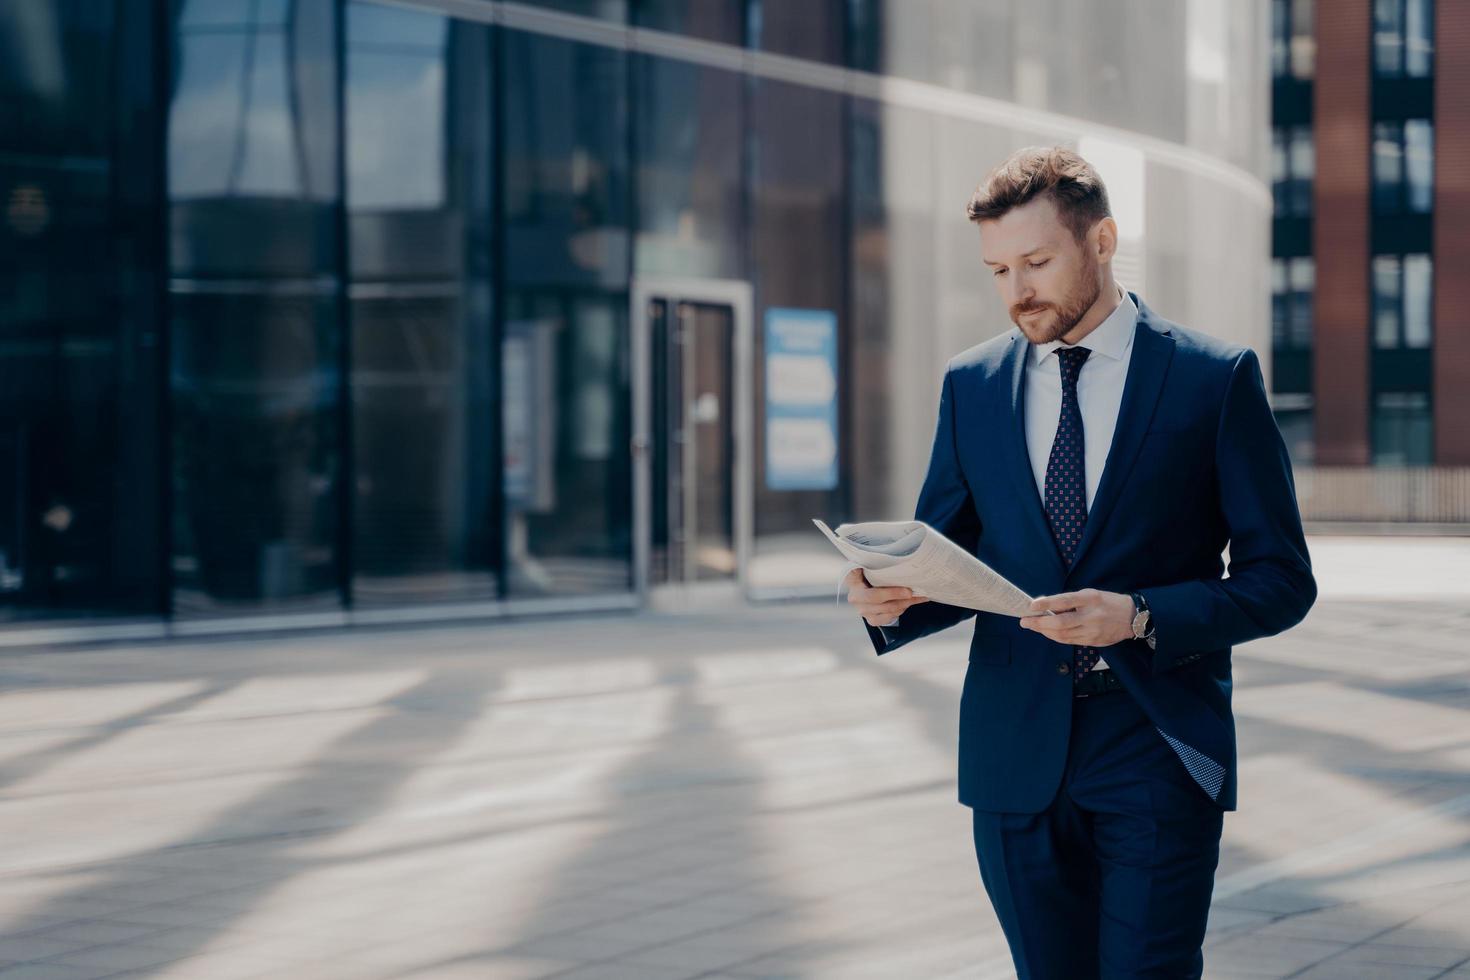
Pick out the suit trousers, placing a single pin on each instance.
(1113, 878)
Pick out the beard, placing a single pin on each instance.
(1063, 316)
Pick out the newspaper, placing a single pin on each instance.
(914, 555)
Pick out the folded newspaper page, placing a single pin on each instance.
(914, 555)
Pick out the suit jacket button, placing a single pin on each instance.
(1064, 668)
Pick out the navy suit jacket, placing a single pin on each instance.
(1196, 463)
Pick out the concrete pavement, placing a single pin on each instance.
(660, 797)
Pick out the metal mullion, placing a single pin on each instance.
(498, 511)
(347, 458)
(690, 458)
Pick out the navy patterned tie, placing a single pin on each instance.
(1066, 482)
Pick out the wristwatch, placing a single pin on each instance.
(1143, 627)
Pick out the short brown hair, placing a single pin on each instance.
(1072, 183)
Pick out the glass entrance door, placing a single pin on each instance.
(693, 448)
(692, 392)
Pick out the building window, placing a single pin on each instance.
(1419, 165)
(1280, 303)
(1403, 167)
(1402, 301)
(1293, 47)
(1293, 160)
(1292, 283)
(254, 331)
(1292, 168)
(1403, 429)
(80, 419)
(1418, 292)
(1294, 417)
(1403, 38)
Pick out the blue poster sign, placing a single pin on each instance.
(801, 399)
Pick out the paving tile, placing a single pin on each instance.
(1267, 954)
(1347, 924)
(32, 923)
(117, 956)
(175, 915)
(739, 821)
(52, 971)
(479, 968)
(690, 954)
(612, 970)
(97, 931)
(225, 965)
(20, 949)
(1334, 970)
(1411, 955)
(518, 968)
(578, 947)
(168, 888)
(1279, 900)
(189, 940)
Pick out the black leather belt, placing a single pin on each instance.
(1096, 682)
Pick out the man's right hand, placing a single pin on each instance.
(878, 606)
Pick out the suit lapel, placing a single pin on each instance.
(1018, 458)
(1153, 347)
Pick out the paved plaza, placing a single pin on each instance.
(728, 794)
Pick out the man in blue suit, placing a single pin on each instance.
(1102, 458)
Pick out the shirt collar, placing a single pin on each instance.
(1111, 338)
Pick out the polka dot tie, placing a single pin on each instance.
(1066, 482)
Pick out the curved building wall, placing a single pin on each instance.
(363, 338)
(1169, 101)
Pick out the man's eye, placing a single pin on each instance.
(1038, 265)
(1000, 272)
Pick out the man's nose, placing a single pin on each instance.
(1020, 293)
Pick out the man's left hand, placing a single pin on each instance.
(1088, 618)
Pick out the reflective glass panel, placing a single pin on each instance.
(255, 331)
(424, 522)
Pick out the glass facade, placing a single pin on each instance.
(1402, 272)
(1402, 303)
(1403, 167)
(82, 331)
(1403, 429)
(256, 334)
(689, 198)
(1402, 194)
(565, 205)
(1292, 159)
(419, 212)
(1292, 287)
(1402, 410)
(1293, 49)
(797, 207)
(1403, 38)
(323, 308)
(1293, 270)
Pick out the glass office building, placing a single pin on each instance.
(326, 312)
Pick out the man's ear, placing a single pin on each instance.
(1105, 244)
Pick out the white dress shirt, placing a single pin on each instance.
(1099, 396)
